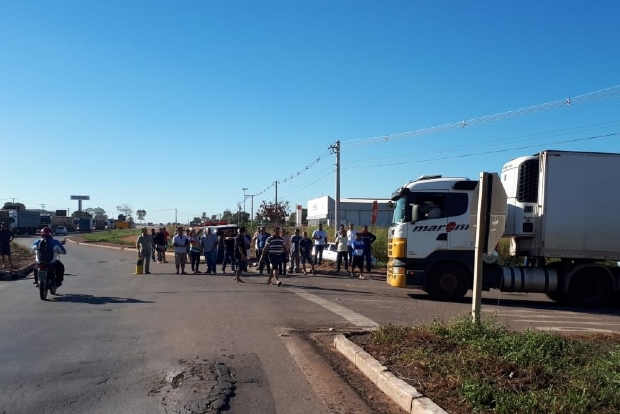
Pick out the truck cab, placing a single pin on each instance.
(421, 244)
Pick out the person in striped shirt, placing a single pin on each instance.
(274, 250)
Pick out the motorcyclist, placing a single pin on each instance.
(56, 265)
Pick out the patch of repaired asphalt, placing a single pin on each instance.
(196, 387)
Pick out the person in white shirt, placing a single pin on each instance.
(342, 250)
(320, 240)
(350, 239)
(433, 210)
(180, 243)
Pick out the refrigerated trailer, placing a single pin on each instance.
(560, 219)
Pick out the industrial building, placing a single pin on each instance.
(351, 210)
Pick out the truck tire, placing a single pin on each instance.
(590, 287)
(559, 297)
(448, 281)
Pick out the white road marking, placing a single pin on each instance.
(574, 329)
(564, 321)
(353, 317)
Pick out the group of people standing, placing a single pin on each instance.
(354, 248)
(277, 253)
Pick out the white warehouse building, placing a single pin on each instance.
(352, 210)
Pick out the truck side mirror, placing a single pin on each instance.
(415, 213)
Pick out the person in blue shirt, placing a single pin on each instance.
(368, 239)
(305, 252)
(358, 255)
(57, 248)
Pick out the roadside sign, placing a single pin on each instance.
(496, 210)
(489, 222)
(375, 209)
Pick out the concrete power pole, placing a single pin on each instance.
(336, 150)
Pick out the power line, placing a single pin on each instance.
(485, 152)
(497, 143)
(603, 94)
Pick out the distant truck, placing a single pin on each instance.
(23, 221)
(100, 224)
(66, 222)
(85, 225)
(561, 218)
(120, 224)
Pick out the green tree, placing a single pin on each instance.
(13, 206)
(141, 214)
(126, 209)
(81, 214)
(273, 213)
(97, 213)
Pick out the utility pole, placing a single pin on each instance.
(252, 208)
(244, 190)
(276, 183)
(336, 150)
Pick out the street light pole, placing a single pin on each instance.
(252, 213)
(244, 190)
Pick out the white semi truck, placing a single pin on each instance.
(562, 219)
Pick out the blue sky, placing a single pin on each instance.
(180, 105)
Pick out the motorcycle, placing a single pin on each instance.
(47, 281)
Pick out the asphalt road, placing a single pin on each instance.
(165, 343)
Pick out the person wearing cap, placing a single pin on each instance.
(57, 248)
(368, 239)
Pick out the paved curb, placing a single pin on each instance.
(403, 394)
(17, 273)
(100, 246)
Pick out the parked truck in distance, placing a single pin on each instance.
(22, 221)
(85, 225)
(560, 218)
(63, 221)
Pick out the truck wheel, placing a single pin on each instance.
(590, 287)
(448, 281)
(559, 297)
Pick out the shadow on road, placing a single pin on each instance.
(523, 302)
(96, 300)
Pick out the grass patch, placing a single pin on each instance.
(116, 236)
(468, 367)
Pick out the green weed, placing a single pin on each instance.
(492, 369)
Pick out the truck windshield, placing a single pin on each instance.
(400, 211)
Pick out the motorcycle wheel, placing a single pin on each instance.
(43, 289)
